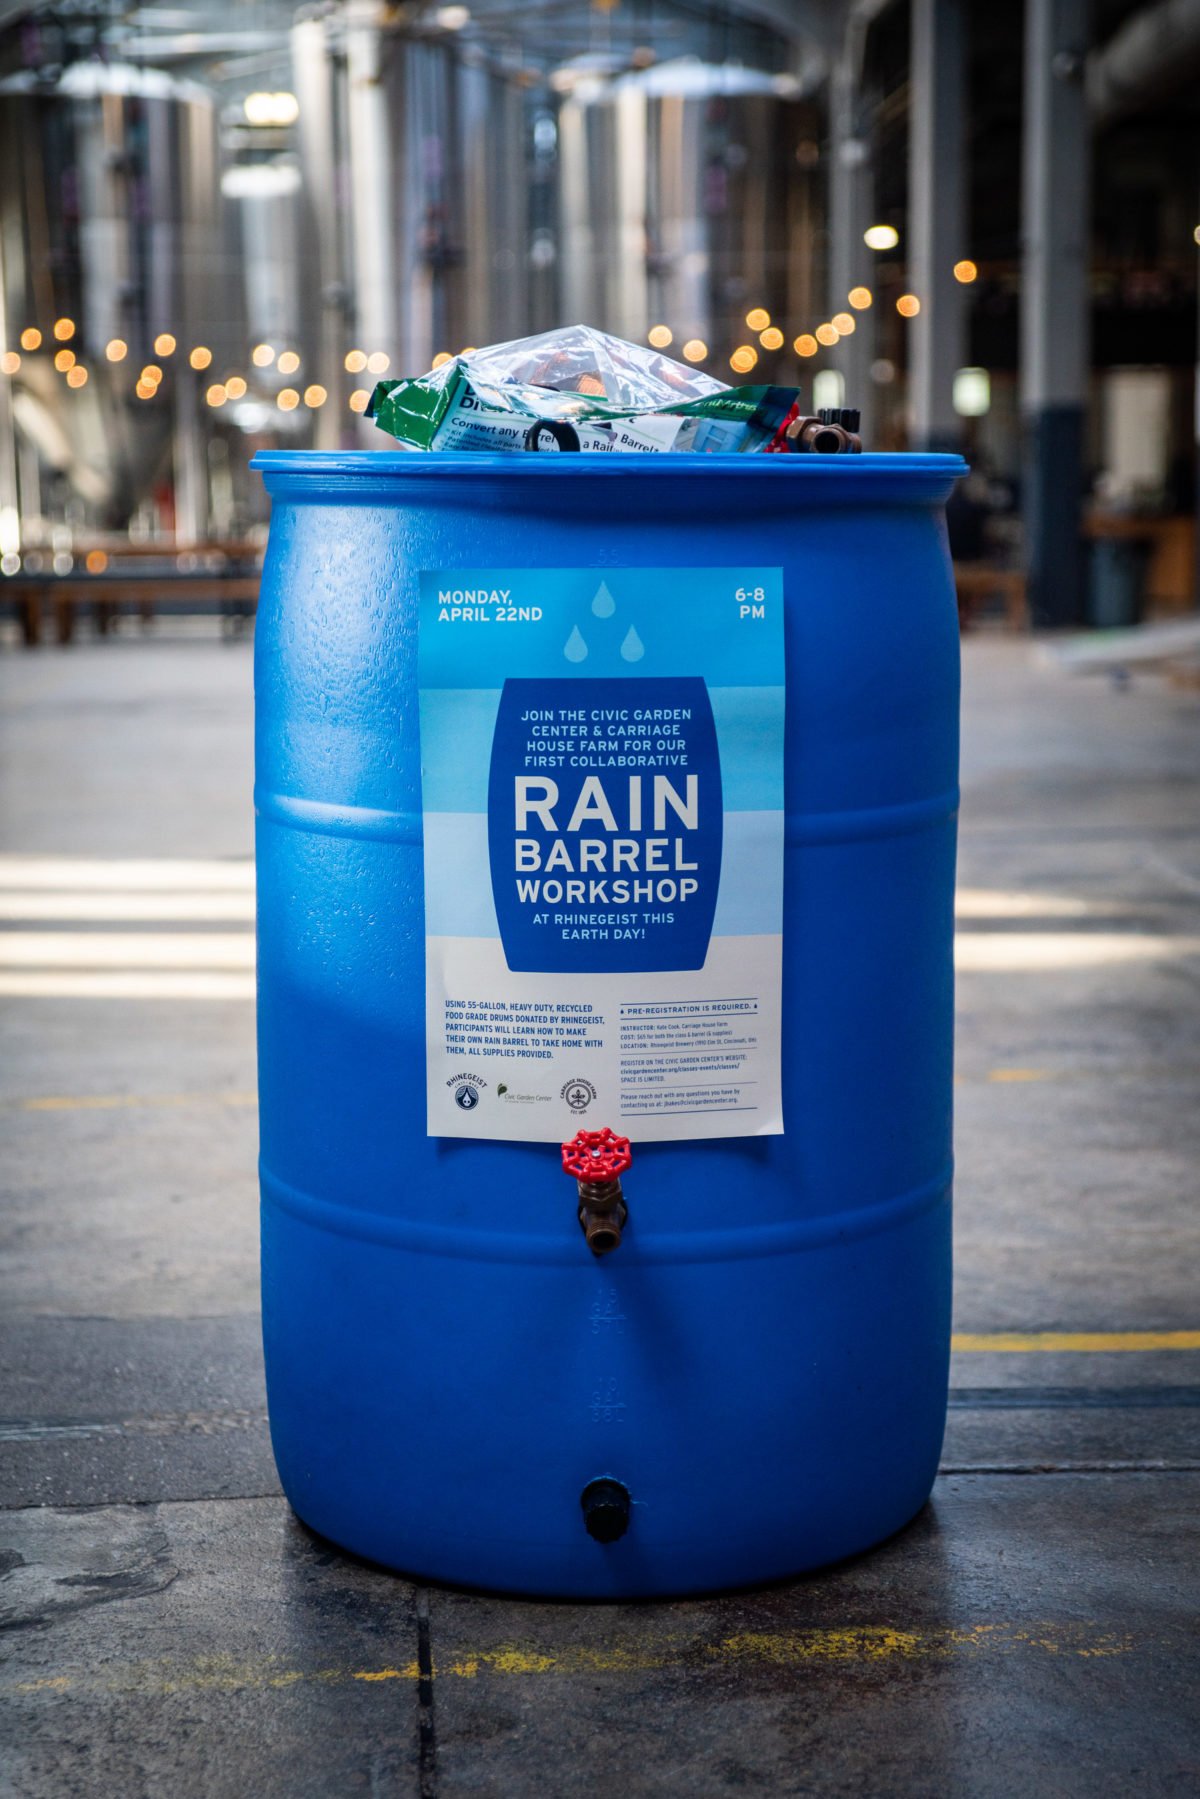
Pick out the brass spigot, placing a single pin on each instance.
(598, 1159)
(830, 432)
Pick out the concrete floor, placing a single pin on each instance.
(174, 1630)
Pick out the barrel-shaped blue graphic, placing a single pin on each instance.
(681, 939)
(762, 1363)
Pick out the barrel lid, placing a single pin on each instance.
(901, 478)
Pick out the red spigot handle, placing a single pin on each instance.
(596, 1155)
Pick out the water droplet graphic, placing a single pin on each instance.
(633, 649)
(575, 649)
(603, 605)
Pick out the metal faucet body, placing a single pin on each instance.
(597, 1159)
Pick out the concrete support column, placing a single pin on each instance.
(191, 480)
(313, 80)
(1055, 304)
(851, 206)
(10, 505)
(370, 180)
(630, 291)
(937, 222)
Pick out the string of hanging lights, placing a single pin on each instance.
(263, 356)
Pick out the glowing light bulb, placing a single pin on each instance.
(77, 377)
(771, 338)
(287, 399)
(164, 344)
(842, 323)
(10, 362)
(200, 357)
(972, 393)
(806, 345)
(758, 319)
(315, 395)
(216, 395)
(95, 562)
(271, 109)
(660, 336)
(860, 298)
(440, 360)
(31, 338)
(379, 362)
(116, 349)
(827, 334)
(358, 400)
(64, 360)
(908, 306)
(695, 349)
(288, 363)
(262, 356)
(965, 270)
(881, 237)
(152, 374)
(64, 329)
(743, 359)
(355, 362)
(235, 387)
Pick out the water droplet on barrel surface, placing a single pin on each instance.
(575, 649)
(603, 605)
(633, 649)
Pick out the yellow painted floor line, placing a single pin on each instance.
(1021, 1342)
(112, 1102)
(864, 1645)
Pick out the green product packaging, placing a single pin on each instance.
(577, 389)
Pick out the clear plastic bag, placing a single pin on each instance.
(579, 360)
(579, 389)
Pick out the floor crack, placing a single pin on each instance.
(427, 1782)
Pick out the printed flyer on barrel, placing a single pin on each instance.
(602, 788)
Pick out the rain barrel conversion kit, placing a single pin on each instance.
(605, 866)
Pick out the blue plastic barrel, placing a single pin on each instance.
(762, 1365)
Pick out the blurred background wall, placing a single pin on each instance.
(220, 224)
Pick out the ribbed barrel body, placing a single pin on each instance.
(762, 1363)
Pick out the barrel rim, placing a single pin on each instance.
(918, 466)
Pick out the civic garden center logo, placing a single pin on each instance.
(578, 1095)
(467, 1093)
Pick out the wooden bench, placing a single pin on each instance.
(34, 596)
